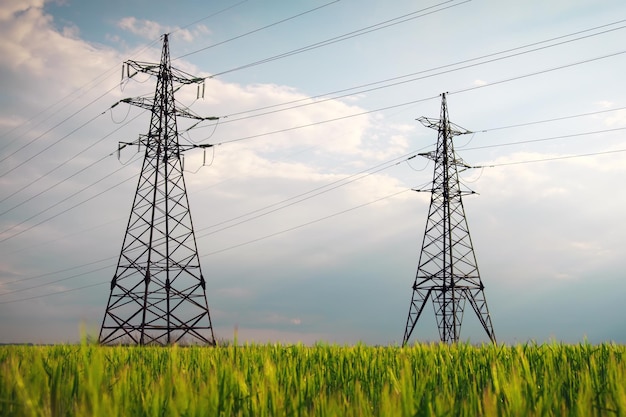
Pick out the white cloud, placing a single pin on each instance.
(149, 29)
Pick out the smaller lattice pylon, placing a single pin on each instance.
(447, 272)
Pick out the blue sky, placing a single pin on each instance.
(338, 266)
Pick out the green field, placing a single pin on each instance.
(321, 380)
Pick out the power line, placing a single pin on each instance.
(412, 102)
(50, 145)
(211, 15)
(56, 281)
(59, 166)
(59, 102)
(47, 274)
(64, 211)
(225, 119)
(555, 158)
(207, 254)
(560, 37)
(266, 236)
(595, 132)
(310, 194)
(429, 98)
(256, 30)
(586, 61)
(346, 36)
(54, 293)
(555, 119)
(377, 168)
(303, 225)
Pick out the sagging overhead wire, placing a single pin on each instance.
(308, 194)
(56, 167)
(26, 229)
(550, 138)
(555, 119)
(58, 103)
(551, 158)
(412, 102)
(399, 80)
(253, 240)
(202, 256)
(436, 97)
(256, 30)
(372, 28)
(304, 224)
(195, 22)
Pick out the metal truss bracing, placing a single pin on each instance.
(447, 272)
(158, 292)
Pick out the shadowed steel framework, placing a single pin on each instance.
(158, 292)
(447, 272)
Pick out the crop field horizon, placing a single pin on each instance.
(321, 380)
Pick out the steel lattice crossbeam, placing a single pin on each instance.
(447, 272)
(158, 292)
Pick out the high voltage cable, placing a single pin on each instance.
(560, 37)
(202, 256)
(346, 36)
(510, 80)
(64, 211)
(555, 119)
(50, 145)
(586, 61)
(394, 106)
(439, 67)
(384, 165)
(139, 51)
(263, 237)
(56, 281)
(78, 90)
(60, 101)
(60, 271)
(429, 98)
(225, 119)
(211, 15)
(554, 158)
(255, 30)
(61, 165)
(473, 148)
(303, 225)
(595, 132)
(55, 293)
(293, 228)
(310, 194)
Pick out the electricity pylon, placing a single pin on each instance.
(447, 272)
(158, 292)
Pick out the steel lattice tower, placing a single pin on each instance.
(158, 292)
(447, 272)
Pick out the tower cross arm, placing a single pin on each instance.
(184, 148)
(453, 129)
(429, 122)
(148, 104)
(152, 68)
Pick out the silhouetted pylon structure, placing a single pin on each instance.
(158, 292)
(447, 272)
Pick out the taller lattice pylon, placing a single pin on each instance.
(447, 272)
(158, 292)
